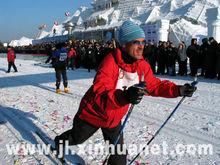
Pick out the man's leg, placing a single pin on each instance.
(111, 135)
(9, 67)
(58, 77)
(79, 133)
(14, 67)
(65, 81)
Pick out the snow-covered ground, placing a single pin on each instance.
(28, 103)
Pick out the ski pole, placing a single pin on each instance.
(157, 132)
(120, 132)
(123, 125)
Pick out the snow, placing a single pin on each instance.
(101, 15)
(115, 17)
(42, 34)
(186, 30)
(153, 15)
(59, 30)
(26, 105)
(23, 41)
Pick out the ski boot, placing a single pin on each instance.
(58, 91)
(66, 90)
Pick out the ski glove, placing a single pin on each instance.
(187, 90)
(135, 93)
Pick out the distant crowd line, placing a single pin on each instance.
(165, 58)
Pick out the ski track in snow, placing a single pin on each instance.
(196, 121)
(17, 125)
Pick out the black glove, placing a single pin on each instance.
(187, 90)
(135, 93)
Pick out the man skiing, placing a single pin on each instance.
(115, 88)
(59, 61)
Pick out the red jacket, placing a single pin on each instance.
(71, 53)
(11, 56)
(103, 105)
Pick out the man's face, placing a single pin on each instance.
(195, 42)
(135, 48)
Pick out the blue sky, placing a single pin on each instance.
(23, 17)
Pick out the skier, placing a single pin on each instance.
(11, 59)
(59, 61)
(107, 101)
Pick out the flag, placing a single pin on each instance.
(56, 23)
(67, 14)
(44, 25)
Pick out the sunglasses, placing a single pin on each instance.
(135, 42)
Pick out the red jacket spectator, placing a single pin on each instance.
(71, 53)
(11, 55)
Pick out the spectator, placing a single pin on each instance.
(11, 59)
(182, 59)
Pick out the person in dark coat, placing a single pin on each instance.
(162, 58)
(150, 55)
(218, 61)
(204, 55)
(193, 54)
(171, 59)
(210, 60)
(80, 58)
(107, 100)
(90, 57)
(98, 54)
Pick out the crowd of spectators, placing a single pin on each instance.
(195, 59)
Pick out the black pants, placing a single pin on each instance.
(61, 71)
(183, 68)
(194, 70)
(82, 130)
(13, 65)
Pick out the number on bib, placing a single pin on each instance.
(63, 56)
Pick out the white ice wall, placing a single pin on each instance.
(162, 27)
(213, 23)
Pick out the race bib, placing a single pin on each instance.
(63, 56)
(126, 79)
